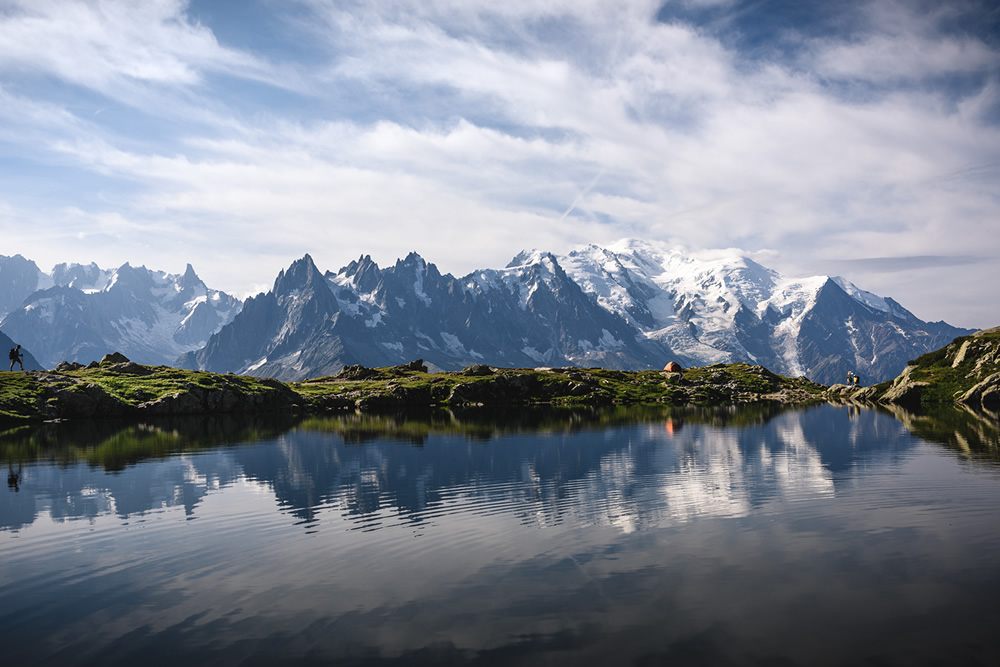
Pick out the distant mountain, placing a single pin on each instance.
(733, 309)
(82, 312)
(630, 306)
(19, 277)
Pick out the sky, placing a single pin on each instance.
(852, 138)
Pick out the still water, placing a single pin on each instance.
(824, 536)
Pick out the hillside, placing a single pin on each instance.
(966, 371)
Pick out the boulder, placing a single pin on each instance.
(907, 393)
(356, 372)
(68, 366)
(477, 370)
(114, 358)
(417, 366)
(985, 394)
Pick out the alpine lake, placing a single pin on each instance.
(651, 535)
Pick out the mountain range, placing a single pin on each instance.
(82, 312)
(633, 305)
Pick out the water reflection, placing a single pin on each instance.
(629, 467)
(974, 433)
(627, 536)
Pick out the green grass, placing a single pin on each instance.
(26, 396)
(20, 395)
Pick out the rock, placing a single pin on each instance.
(130, 368)
(907, 393)
(865, 394)
(417, 366)
(87, 400)
(499, 389)
(985, 394)
(477, 370)
(960, 355)
(395, 397)
(356, 372)
(68, 366)
(114, 358)
(178, 403)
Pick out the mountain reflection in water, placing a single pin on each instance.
(828, 535)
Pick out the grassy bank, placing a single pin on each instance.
(124, 389)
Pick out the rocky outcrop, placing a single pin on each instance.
(477, 370)
(905, 390)
(985, 394)
(195, 399)
(356, 372)
(507, 388)
(966, 371)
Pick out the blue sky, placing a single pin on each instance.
(851, 138)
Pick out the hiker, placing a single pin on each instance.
(857, 381)
(850, 378)
(16, 355)
(14, 478)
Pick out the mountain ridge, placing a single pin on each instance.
(633, 305)
(81, 312)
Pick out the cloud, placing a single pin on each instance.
(896, 264)
(469, 130)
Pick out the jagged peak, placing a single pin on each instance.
(301, 273)
(412, 259)
(362, 265)
(190, 279)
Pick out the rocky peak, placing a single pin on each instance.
(302, 274)
(19, 278)
(130, 280)
(190, 280)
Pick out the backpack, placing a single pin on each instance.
(13, 353)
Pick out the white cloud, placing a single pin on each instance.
(466, 130)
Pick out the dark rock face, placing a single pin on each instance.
(311, 326)
(985, 394)
(875, 346)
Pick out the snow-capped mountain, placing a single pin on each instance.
(731, 308)
(80, 313)
(311, 324)
(633, 305)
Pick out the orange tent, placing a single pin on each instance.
(673, 367)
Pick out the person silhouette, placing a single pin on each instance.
(14, 478)
(15, 356)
